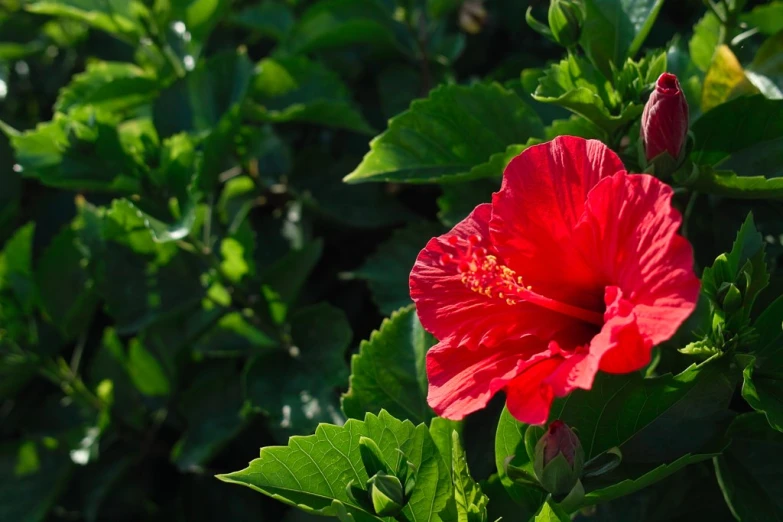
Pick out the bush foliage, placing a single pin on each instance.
(208, 206)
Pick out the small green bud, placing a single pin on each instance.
(372, 457)
(559, 459)
(386, 494)
(730, 298)
(566, 18)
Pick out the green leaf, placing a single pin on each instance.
(312, 472)
(270, 18)
(331, 24)
(748, 472)
(109, 86)
(297, 89)
(33, 477)
(766, 70)
(211, 407)
(317, 180)
(295, 385)
(629, 486)
(140, 281)
(578, 86)
(387, 269)
(191, 22)
(704, 41)
(198, 102)
(16, 267)
(146, 372)
(471, 501)
(283, 281)
(551, 512)
(768, 17)
(575, 126)
(389, 371)
(119, 17)
(66, 288)
(448, 135)
(735, 280)
(653, 419)
(85, 150)
(616, 29)
(730, 184)
(751, 146)
(763, 377)
(510, 441)
(459, 199)
(177, 181)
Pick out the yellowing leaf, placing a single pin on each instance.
(725, 80)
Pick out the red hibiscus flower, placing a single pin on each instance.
(576, 266)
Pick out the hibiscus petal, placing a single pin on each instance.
(452, 312)
(630, 232)
(537, 208)
(530, 395)
(462, 381)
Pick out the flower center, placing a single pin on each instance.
(482, 273)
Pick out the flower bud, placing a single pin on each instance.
(566, 18)
(559, 459)
(386, 494)
(665, 119)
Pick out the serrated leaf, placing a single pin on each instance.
(296, 385)
(730, 184)
(109, 86)
(470, 500)
(84, 150)
(312, 472)
(296, 89)
(748, 472)
(389, 372)
(574, 83)
(387, 269)
(445, 137)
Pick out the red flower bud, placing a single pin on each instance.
(665, 119)
(559, 459)
(559, 439)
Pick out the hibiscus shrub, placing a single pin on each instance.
(572, 224)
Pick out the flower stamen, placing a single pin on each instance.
(482, 273)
